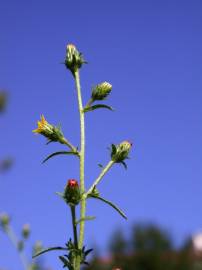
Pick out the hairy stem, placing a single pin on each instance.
(82, 158)
(90, 102)
(103, 172)
(66, 142)
(11, 235)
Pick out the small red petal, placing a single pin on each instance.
(72, 183)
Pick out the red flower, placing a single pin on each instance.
(72, 183)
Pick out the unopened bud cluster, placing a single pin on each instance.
(26, 231)
(74, 58)
(4, 220)
(52, 133)
(101, 91)
(120, 152)
(72, 194)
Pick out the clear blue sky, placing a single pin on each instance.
(151, 51)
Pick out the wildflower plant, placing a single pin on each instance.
(75, 192)
(20, 242)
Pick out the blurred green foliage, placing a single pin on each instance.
(3, 98)
(5, 163)
(149, 247)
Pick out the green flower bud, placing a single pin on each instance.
(72, 194)
(74, 58)
(120, 152)
(4, 220)
(26, 231)
(52, 133)
(101, 91)
(37, 247)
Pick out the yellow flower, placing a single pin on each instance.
(43, 125)
(52, 133)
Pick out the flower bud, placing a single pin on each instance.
(26, 231)
(72, 193)
(52, 133)
(4, 220)
(101, 91)
(120, 152)
(74, 58)
(37, 247)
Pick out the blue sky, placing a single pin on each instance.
(151, 53)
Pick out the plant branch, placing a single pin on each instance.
(90, 102)
(66, 142)
(11, 235)
(96, 182)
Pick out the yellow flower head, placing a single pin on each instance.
(52, 133)
(43, 126)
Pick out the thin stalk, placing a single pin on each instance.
(103, 172)
(11, 235)
(73, 212)
(90, 102)
(82, 158)
(66, 142)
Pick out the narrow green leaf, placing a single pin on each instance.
(85, 219)
(124, 164)
(61, 194)
(66, 263)
(88, 251)
(111, 204)
(60, 153)
(98, 106)
(100, 165)
(113, 149)
(47, 250)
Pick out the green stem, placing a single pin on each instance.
(66, 142)
(90, 102)
(73, 212)
(11, 235)
(96, 182)
(82, 158)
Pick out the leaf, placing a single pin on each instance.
(65, 262)
(47, 250)
(111, 204)
(60, 153)
(100, 165)
(88, 218)
(88, 251)
(98, 106)
(60, 194)
(113, 149)
(124, 164)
